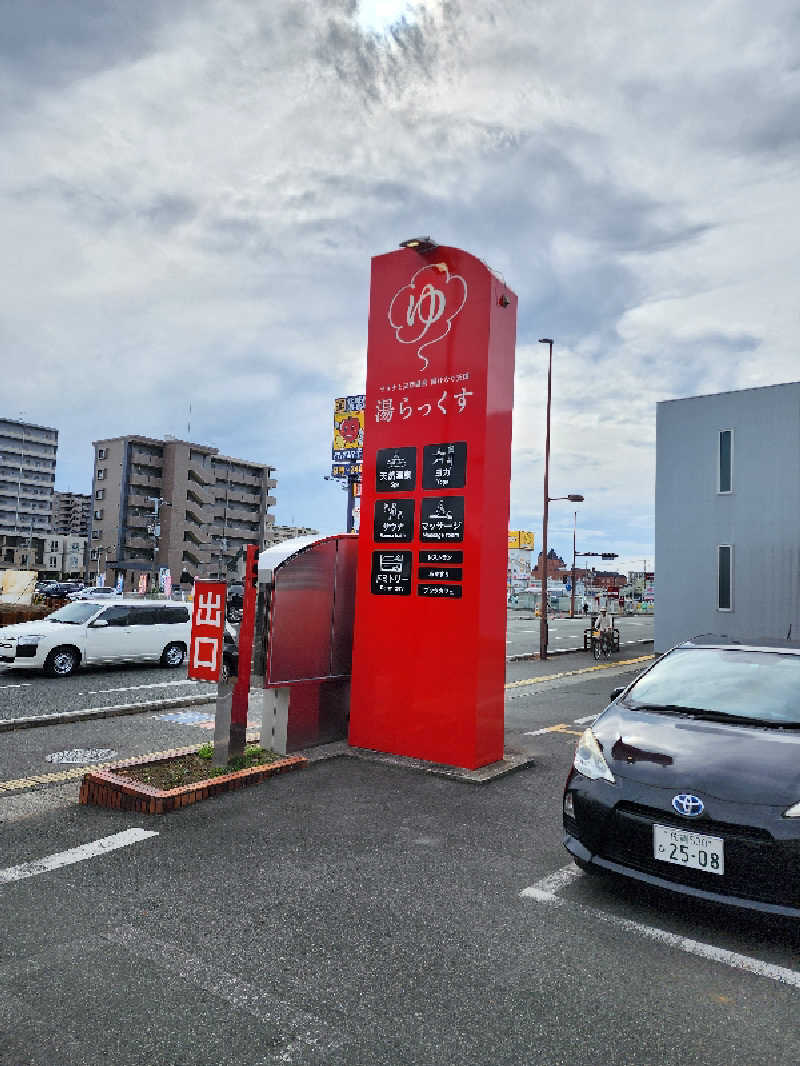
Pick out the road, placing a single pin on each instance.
(522, 635)
(363, 913)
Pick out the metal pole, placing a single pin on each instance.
(572, 598)
(543, 618)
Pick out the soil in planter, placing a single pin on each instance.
(189, 769)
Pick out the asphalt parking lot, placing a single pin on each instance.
(362, 913)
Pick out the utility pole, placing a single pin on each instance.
(572, 595)
(544, 603)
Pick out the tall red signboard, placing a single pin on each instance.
(430, 623)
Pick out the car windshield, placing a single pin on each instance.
(715, 681)
(75, 613)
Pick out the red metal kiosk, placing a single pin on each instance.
(430, 624)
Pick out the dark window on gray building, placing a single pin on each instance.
(726, 460)
(725, 577)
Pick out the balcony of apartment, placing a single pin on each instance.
(201, 495)
(141, 484)
(139, 521)
(195, 517)
(146, 458)
(139, 541)
(196, 557)
(200, 474)
(191, 537)
(139, 499)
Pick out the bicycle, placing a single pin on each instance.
(602, 644)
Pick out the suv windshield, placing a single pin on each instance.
(75, 613)
(741, 684)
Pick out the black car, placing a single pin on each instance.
(230, 653)
(690, 779)
(60, 590)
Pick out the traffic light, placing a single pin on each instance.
(609, 555)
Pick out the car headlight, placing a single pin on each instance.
(793, 812)
(589, 759)
(28, 638)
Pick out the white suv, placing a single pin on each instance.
(90, 633)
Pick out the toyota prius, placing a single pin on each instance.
(690, 779)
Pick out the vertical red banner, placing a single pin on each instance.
(208, 630)
(430, 625)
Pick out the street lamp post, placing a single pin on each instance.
(572, 591)
(543, 600)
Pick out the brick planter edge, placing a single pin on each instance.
(107, 788)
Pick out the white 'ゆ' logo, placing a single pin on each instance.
(422, 312)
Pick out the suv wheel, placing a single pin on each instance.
(61, 662)
(173, 655)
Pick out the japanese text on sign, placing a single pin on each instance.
(208, 628)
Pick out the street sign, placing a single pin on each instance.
(208, 630)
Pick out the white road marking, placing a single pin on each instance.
(67, 858)
(541, 732)
(134, 688)
(544, 891)
(588, 718)
(23, 684)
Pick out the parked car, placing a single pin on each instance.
(107, 592)
(234, 602)
(230, 653)
(690, 779)
(89, 633)
(61, 590)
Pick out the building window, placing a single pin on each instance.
(53, 562)
(725, 460)
(95, 534)
(725, 577)
(99, 494)
(98, 514)
(93, 553)
(101, 453)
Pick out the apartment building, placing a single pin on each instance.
(278, 534)
(27, 475)
(54, 557)
(71, 513)
(176, 504)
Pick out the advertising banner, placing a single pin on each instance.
(142, 584)
(162, 578)
(100, 580)
(348, 430)
(208, 630)
(429, 639)
(120, 584)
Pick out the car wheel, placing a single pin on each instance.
(61, 662)
(173, 655)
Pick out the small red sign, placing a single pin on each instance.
(208, 630)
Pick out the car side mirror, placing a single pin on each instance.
(615, 692)
(99, 624)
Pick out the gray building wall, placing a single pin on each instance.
(71, 513)
(759, 518)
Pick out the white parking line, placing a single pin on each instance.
(23, 684)
(544, 891)
(588, 718)
(134, 688)
(67, 858)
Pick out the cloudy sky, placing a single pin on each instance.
(191, 191)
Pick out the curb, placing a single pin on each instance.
(8, 725)
(527, 656)
(105, 788)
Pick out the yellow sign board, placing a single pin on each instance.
(520, 538)
(348, 429)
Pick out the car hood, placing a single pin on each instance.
(19, 628)
(736, 763)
